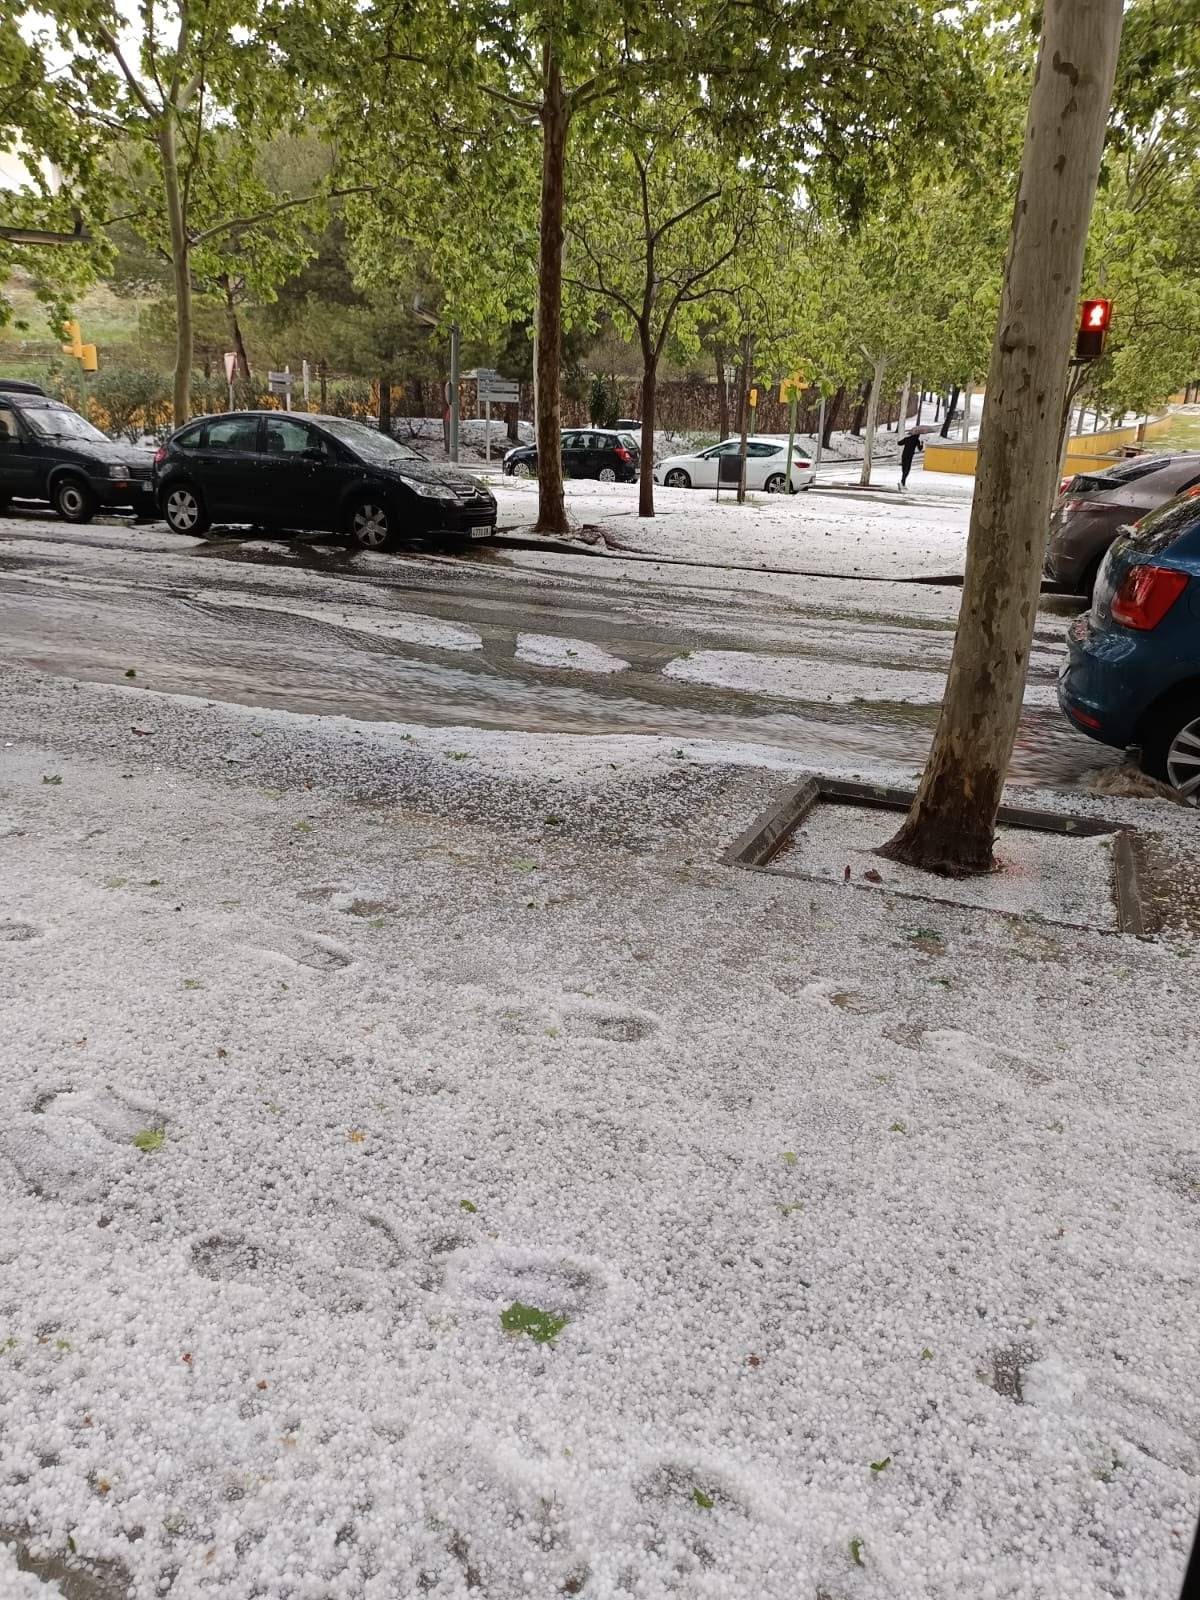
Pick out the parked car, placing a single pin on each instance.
(604, 453)
(49, 452)
(766, 466)
(318, 474)
(1133, 673)
(1094, 505)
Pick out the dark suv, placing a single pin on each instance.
(1094, 506)
(49, 452)
(317, 474)
(604, 453)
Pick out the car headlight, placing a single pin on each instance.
(118, 472)
(429, 491)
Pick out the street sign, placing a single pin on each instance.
(279, 382)
(792, 387)
(500, 393)
(231, 365)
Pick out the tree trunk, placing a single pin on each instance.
(552, 512)
(511, 418)
(744, 407)
(181, 267)
(649, 395)
(323, 380)
(879, 367)
(242, 369)
(385, 403)
(951, 826)
(951, 402)
(722, 394)
(860, 411)
(968, 396)
(902, 420)
(831, 416)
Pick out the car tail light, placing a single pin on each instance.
(159, 457)
(1146, 595)
(804, 464)
(622, 454)
(1081, 505)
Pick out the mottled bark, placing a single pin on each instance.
(555, 117)
(951, 826)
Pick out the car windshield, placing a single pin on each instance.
(368, 442)
(54, 424)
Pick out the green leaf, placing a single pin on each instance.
(302, 827)
(879, 1466)
(897, 1127)
(115, 883)
(704, 1501)
(55, 779)
(790, 1157)
(273, 794)
(468, 1205)
(926, 1355)
(526, 864)
(71, 1544)
(541, 1326)
(192, 983)
(458, 755)
(130, 673)
(856, 1550)
(149, 1140)
(553, 821)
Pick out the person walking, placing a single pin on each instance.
(908, 450)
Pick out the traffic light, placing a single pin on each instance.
(87, 354)
(72, 333)
(1094, 318)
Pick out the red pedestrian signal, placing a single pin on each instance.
(1094, 318)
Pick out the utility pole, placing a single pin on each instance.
(747, 382)
(454, 332)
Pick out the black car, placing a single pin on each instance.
(314, 474)
(604, 453)
(49, 452)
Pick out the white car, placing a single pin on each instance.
(766, 466)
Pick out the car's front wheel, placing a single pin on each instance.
(184, 510)
(776, 483)
(607, 475)
(522, 469)
(677, 478)
(73, 500)
(371, 526)
(1171, 744)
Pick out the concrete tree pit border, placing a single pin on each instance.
(757, 848)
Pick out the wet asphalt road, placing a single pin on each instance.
(303, 627)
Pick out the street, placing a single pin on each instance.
(828, 670)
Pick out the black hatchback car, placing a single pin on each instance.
(604, 453)
(1093, 507)
(314, 474)
(49, 452)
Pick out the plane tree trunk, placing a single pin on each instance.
(951, 826)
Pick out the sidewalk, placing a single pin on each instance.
(851, 1239)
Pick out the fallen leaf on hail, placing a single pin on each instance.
(355, 1136)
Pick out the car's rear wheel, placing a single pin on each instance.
(370, 525)
(776, 483)
(184, 510)
(677, 478)
(522, 469)
(73, 500)
(1171, 744)
(607, 475)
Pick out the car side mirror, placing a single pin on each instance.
(313, 454)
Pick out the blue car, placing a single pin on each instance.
(1133, 674)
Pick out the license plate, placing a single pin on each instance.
(484, 531)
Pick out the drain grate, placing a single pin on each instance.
(769, 846)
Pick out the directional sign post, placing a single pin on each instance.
(494, 390)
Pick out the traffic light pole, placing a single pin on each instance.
(791, 439)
